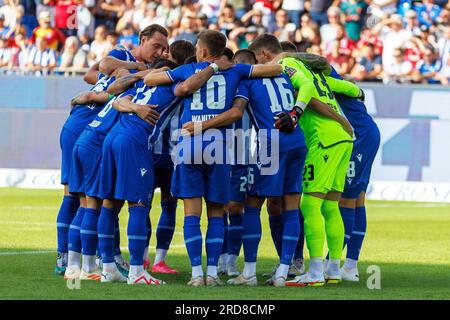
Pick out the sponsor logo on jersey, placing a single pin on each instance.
(359, 156)
(290, 71)
(325, 157)
(349, 180)
(143, 171)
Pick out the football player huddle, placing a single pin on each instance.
(229, 129)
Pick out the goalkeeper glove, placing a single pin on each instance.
(286, 122)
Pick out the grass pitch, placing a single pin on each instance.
(410, 242)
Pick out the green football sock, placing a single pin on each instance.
(334, 227)
(314, 225)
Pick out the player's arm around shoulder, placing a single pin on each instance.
(145, 112)
(266, 70)
(224, 119)
(345, 87)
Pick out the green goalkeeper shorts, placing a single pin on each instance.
(326, 168)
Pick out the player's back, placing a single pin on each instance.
(317, 128)
(268, 97)
(137, 128)
(215, 96)
(82, 114)
(355, 111)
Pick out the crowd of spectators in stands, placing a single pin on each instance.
(403, 41)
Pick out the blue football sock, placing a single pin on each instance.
(137, 233)
(348, 217)
(88, 233)
(74, 231)
(193, 239)
(276, 231)
(224, 248)
(148, 223)
(214, 240)
(359, 231)
(67, 212)
(301, 239)
(291, 232)
(106, 235)
(117, 250)
(235, 234)
(166, 225)
(251, 233)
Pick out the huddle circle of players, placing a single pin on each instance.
(118, 145)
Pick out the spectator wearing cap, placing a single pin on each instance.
(294, 10)
(428, 68)
(53, 36)
(411, 23)
(393, 35)
(399, 70)
(354, 11)
(368, 67)
(188, 30)
(428, 12)
(328, 30)
(318, 11)
(41, 58)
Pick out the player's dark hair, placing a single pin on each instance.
(266, 41)
(245, 56)
(288, 46)
(190, 60)
(214, 41)
(228, 53)
(180, 50)
(162, 62)
(149, 31)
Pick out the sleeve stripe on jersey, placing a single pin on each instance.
(241, 96)
(168, 74)
(251, 71)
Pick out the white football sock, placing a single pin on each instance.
(197, 271)
(136, 269)
(316, 266)
(109, 267)
(333, 267)
(232, 260)
(160, 255)
(89, 264)
(211, 271)
(249, 269)
(351, 264)
(282, 270)
(146, 254)
(74, 259)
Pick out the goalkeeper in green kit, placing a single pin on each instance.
(326, 164)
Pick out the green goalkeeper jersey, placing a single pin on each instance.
(311, 84)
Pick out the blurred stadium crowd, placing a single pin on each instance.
(402, 41)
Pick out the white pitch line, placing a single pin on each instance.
(407, 205)
(29, 223)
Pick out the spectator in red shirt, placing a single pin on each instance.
(54, 38)
(65, 16)
(345, 44)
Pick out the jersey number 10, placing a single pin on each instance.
(213, 101)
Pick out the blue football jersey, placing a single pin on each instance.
(82, 114)
(168, 124)
(137, 128)
(95, 132)
(268, 97)
(354, 110)
(122, 54)
(215, 96)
